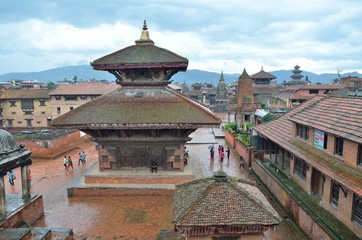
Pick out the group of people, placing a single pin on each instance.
(222, 154)
(68, 163)
(221, 151)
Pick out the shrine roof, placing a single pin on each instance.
(25, 94)
(139, 107)
(140, 56)
(338, 116)
(210, 202)
(84, 89)
(262, 75)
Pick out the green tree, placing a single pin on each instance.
(51, 85)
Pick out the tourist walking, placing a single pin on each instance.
(212, 152)
(70, 163)
(241, 162)
(222, 155)
(11, 178)
(228, 153)
(80, 159)
(84, 155)
(65, 161)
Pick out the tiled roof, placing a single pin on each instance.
(84, 89)
(323, 86)
(263, 89)
(339, 116)
(324, 113)
(262, 75)
(25, 94)
(207, 202)
(142, 56)
(143, 107)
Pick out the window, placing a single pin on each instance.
(27, 103)
(83, 97)
(313, 91)
(302, 131)
(359, 155)
(334, 193)
(58, 110)
(70, 98)
(338, 147)
(28, 122)
(1, 123)
(71, 108)
(357, 209)
(13, 113)
(357, 85)
(12, 103)
(42, 102)
(42, 113)
(28, 113)
(10, 122)
(57, 97)
(300, 167)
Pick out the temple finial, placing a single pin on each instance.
(262, 68)
(145, 37)
(144, 25)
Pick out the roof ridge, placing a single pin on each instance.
(254, 199)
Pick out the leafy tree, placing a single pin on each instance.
(268, 118)
(51, 85)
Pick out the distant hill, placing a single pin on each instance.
(85, 72)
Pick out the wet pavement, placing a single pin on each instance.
(125, 217)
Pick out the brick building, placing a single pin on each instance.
(67, 97)
(319, 146)
(25, 109)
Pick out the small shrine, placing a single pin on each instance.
(243, 110)
(144, 120)
(219, 207)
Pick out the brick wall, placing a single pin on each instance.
(304, 220)
(118, 192)
(137, 180)
(231, 139)
(29, 213)
(56, 147)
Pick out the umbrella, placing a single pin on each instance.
(211, 146)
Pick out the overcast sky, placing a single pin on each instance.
(319, 35)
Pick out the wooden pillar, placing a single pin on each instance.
(276, 154)
(24, 182)
(2, 195)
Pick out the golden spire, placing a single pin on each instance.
(262, 69)
(145, 37)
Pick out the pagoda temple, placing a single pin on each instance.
(262, 77)
(144, 120)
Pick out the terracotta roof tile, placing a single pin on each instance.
(84, 89)
(28, 94)
(327, 112)
(262, 75)
(206, 202)
(125, 107)
(140, 55)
